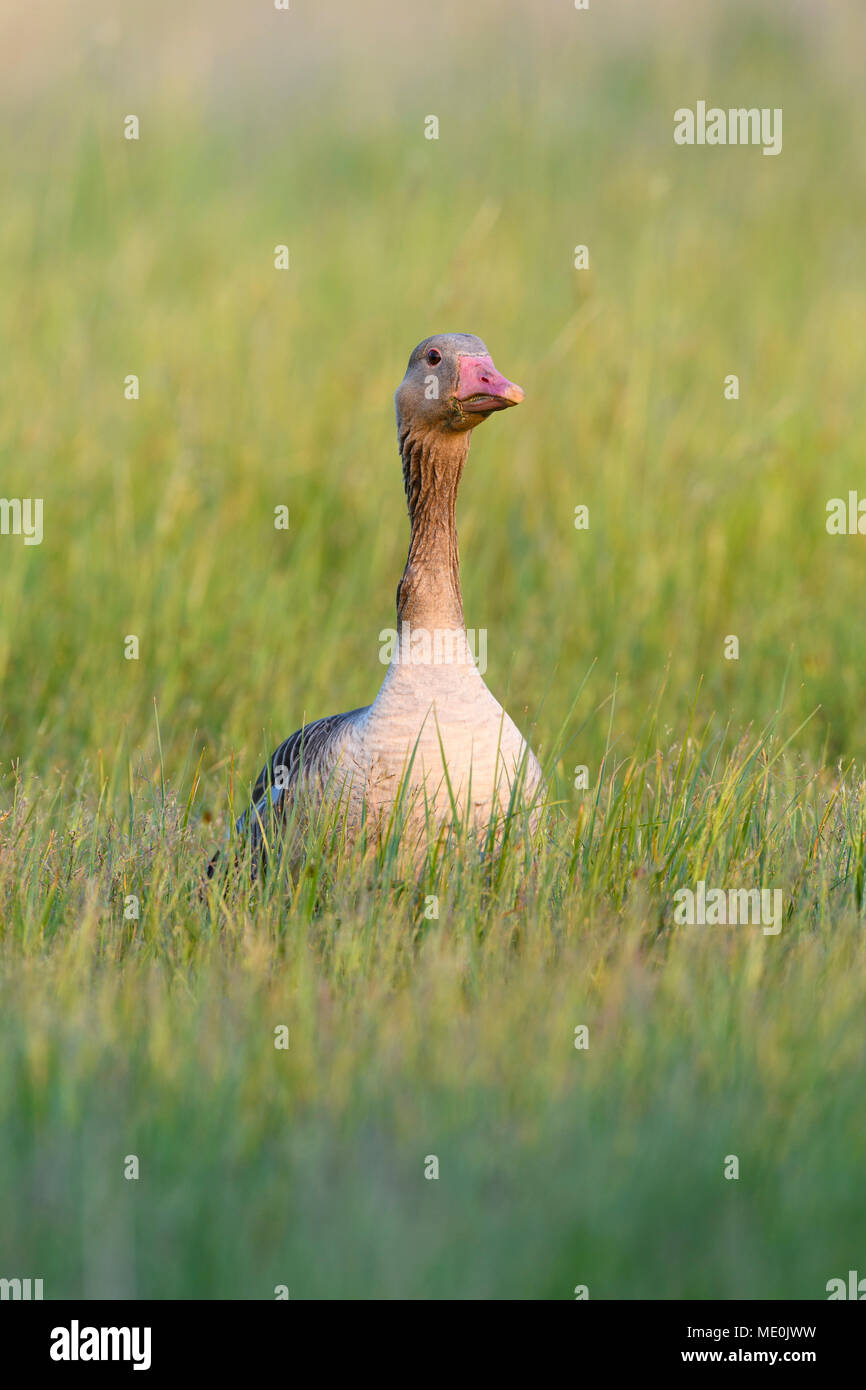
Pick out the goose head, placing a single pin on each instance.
(451, 384)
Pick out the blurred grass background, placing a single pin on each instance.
(707, 517)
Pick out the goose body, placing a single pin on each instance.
(435, 737)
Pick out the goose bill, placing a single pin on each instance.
(482, 389)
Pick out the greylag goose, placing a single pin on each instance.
(434, 741)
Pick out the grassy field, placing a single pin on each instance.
(412, 1036)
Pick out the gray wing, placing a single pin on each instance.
(307, 749)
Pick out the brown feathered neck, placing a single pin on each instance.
(428, 595)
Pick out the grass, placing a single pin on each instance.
(410, 1034)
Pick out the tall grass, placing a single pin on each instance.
(452, 1034)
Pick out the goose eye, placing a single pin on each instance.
(434, 357)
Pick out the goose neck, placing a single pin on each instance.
(429, 595)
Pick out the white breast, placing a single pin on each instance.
(434, 712)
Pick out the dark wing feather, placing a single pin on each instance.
(305, 749)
